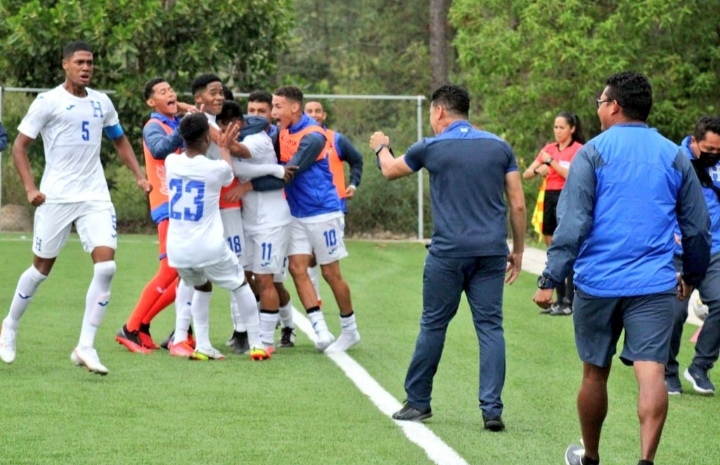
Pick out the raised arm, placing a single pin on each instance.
(391, 167)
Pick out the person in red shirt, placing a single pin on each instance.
(552, 164)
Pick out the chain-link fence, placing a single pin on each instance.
(378, 209)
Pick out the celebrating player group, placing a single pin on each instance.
(237, 202)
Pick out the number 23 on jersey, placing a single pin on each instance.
(194, 190)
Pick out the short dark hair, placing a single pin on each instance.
(193, 129)
(291, 93)
(149, 86)
(633, 92)
(706, 124)
(228, 93)
(573, 120)
(230, 110)
(260, 96)
(75, 46)
(454, 99)
(202, 81)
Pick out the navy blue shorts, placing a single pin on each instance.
(646, 319)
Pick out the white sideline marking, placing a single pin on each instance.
(439, 452)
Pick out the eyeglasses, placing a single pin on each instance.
(600, 102)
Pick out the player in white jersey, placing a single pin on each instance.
(266, 215)
(71, 119)
(196, 245)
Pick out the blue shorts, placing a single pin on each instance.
(646, 319)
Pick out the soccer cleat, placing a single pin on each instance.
(181, 349)
(550, 309)
(699, 378)
(494, 424)
(287, 337)
(410, 413)
(168, 340)
(258, 353)
(561, 310)
(131, 341)
(7, 344)
(324, 340)
(146, 339)
(344, 342)
(87, 357)
(240, 344)
(207, 354)
(574, 455)
(672, 382)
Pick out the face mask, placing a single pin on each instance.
(709, 160)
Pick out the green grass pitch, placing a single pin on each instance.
(299, 408)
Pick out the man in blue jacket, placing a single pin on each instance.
(703, 151)
(627, 189)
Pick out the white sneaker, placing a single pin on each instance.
(344, 342)
(7, 344)
(87, 357)
(324, 339)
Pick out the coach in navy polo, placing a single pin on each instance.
(470, 172)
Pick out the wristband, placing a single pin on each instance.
(383, 146)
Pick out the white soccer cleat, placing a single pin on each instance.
(324, 339)
(7, 344)
(344, 342)
(205, 355)
(87, 357)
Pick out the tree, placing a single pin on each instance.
(438, 42)
(135, 40)
(529, 59)
(526, 60)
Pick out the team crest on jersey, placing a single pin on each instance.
(97, 109)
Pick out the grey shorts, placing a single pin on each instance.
(646, 319)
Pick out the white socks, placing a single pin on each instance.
(26, 287)
(318, 321)
(286, 315)
(236, 316)
(96, 301)
(247, 313)
(268, 321)
(183, 315)
(348, 323)
(201, 319)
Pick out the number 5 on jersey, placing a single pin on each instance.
(194, 189)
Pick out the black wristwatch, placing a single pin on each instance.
(548, 161)
(543, 282)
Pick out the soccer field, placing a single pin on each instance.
(300, 407)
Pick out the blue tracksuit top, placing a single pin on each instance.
(711, 200)
(626, 189)
(311, 192)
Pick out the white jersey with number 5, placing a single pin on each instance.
(195, 235)
(71, 129)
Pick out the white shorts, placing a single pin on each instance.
(234, 235)
(95, 223)
(227, 274)
(266, 250)
(325, 239)
(280, 277)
